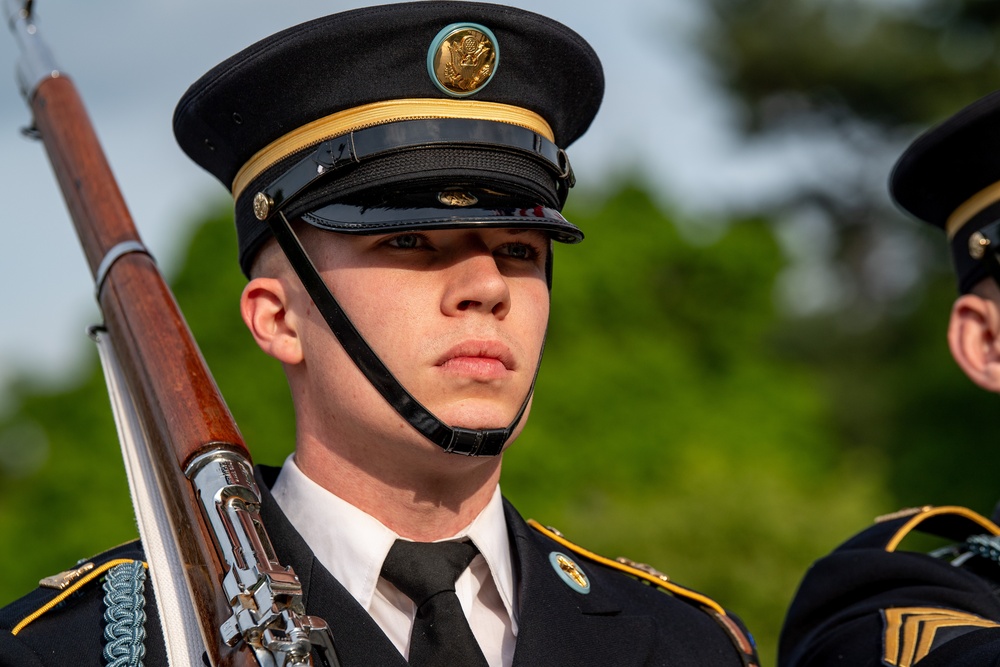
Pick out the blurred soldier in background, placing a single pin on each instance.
(871, 602)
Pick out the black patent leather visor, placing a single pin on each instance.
(447, 209)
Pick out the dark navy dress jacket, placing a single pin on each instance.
(620, 622)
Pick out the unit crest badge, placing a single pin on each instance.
(463, 58)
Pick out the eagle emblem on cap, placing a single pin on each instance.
(463, 58)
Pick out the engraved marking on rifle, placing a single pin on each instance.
(63, 580)
(229, 472)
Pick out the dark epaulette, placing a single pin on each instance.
(949, 522)
(741, 639)
(58, 590)
(909, 633)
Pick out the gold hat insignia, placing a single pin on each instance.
(463, 58)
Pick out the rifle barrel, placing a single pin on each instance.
(180, 406)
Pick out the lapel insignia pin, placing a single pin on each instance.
(463, 58)
(62, 581)
(569, 572)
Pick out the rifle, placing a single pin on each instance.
(178, 436)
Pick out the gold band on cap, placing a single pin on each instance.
(971, 207)
(379, 113)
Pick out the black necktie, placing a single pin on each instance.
(426, 573)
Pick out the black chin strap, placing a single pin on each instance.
(457, 440)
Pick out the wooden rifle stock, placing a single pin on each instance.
(181, 409)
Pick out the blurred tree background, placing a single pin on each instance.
(868, 76)
(725, 407)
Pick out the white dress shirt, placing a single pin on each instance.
(352, 545)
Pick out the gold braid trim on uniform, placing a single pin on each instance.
(79, 583)
(629, 569)
(909, 633)
(971, 207)
(928, 512)
(380, 113)
(741, 641)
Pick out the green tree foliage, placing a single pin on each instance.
(898, 395)
(873, 74)
(866, 76)
(63, 493)
(892, 64)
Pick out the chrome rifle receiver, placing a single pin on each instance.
(265, 596)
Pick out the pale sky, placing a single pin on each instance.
(132, 61)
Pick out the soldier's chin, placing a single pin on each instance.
(479, 425)
(478, 417)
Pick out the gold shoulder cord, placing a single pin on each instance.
(645, 573)
(631, 569)
(923, 513)
(66, 592)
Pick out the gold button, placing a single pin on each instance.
(262, 205)
(977, 245)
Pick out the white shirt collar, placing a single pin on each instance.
(352, 544)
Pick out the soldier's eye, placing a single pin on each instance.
(407, 241)
(524, 251)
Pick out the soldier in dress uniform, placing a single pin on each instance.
(398, 174)
(871, 602)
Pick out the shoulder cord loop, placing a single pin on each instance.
(125, 615)
(984, 546)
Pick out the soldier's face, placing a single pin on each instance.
(458, 316)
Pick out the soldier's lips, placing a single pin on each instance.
(478, 359)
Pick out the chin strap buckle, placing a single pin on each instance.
(473, 442)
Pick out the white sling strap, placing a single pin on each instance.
(173, 599)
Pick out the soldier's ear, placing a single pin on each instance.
(974, 339)
(264, 307)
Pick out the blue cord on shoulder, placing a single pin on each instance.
(125, 615)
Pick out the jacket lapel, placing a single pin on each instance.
(556, 625)
(559, 626)
(358, 639)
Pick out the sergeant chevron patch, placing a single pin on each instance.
(910, 633)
